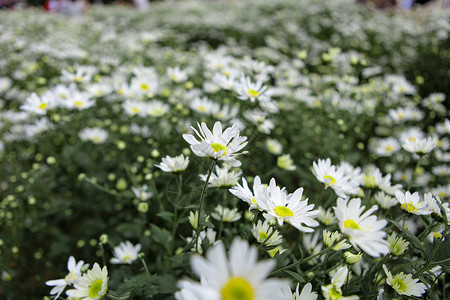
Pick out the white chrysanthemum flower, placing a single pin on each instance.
(385, 201)
(411, 134)
(333, 290)
(335, 177)
(411, 203)
(285, 162)
(157, 108)
(135, 108)
(420, 146)
(287, 208)
(96, 135)
(404, 284)
(249, 90)
(441, 171)
(74, 274)
(176, 74)
(175, 164)
(274, 146)
(244, 193)
(387, 147)
(326, 217)
(432, 203)
(38, 105)
(218, 145)
(206, 235)
(125, 253)
(306, 293)
(397, 244)
(238, 276)
(261, 231)
(373, 178)
(443, 191)
(443, 128)
(193, 219)
(142, 193)
(311, 243)
(204, 105)
(225, 214)
(363, 229)
(223, 178)
(82, 74)
(79, 101)
(93, 285)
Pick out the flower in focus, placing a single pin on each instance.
(411, 203)
(363, 229)
(218, 145)
(236, 276)
(92, 286)
(397, 244)
(96, 135)
(125, 253)
(175, 164)
(333, 290)
(261, 231)
(244, 193)
(74, 274)
(420, 146)
(287, 208)
(224, 178)
(404, 284)
(249, 90)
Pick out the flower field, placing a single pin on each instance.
(231, 150)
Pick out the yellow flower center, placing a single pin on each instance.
(126, 258)
(283, 211)
(442, 195)
(437, 235)
(352, 224)
(78, 103)
(389, 148)
(335, 293)
(201, 108)
(135, 110)
(262, 235)
(329, 180)
(254, 201)
(71, 276)
(412, 139)
(253, 93)
(43, 106)
(399, 284)
(96, 139)
(144, 86)
(218, 147)
(62, 96)
(409, 207)
(78, 79)
(237, 289)
(95, 288)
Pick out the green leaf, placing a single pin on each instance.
(161, 236)
(166, 215)
(442, 251)
(167, 284)
(296, 276)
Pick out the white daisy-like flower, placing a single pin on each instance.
(208, 234)
(305, 294)
(82, 74)
(176, 74)
(252, 91)
(311, 243)
(443, 128)
(335, 177)
(79, 101)
(387, 147)
(397, 244)
(175, 164)
(157, 108)
(287, 208)
(142, 193)
(225, 214)
(364, 231)
(93, 285)
(238, 276)
(223, 178)
(74, 274)
(411, 203)
(95, 135)
(285, 162)
(38, 105)
(326, 217)
(420, 146)
(373, 178)
(244, 193)
(333, 290)
(262, 230)
(218, 145)
(432, 203)
(125, 253)
(135, 108)
(404, 284)
(385, 201)
(274, 146)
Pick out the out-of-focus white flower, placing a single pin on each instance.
(176, 74)
(225, 214)
(262, 230)
(96, 135)
(125, 253)
(38, 105)
(175, 164)
(223, 178)
(420, 146)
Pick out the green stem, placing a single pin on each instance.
(413, 174)
(300, 261)
(146, 269)
(100, 187)
(202, 196)
(270, 235)
(103, 254)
